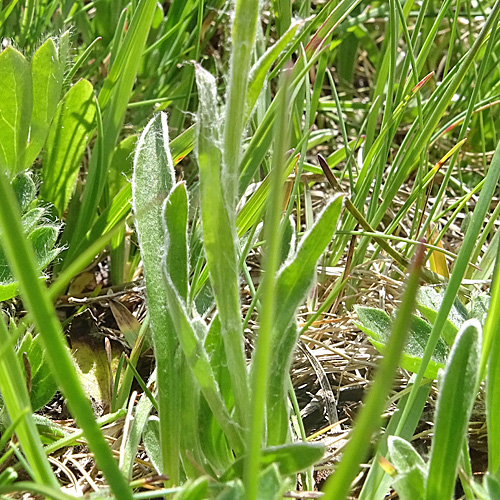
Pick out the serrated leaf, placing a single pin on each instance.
(15, 110)
(69, 134)
(377, 325)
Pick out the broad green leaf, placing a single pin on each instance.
(492, 486)
(43, 385)
(152, 181)
(403, 456)
(411, 469)
(233, 490)
(377, 325)
(290, 459)
(7, 290)
(457, 392)
(47, 73)
(69, 134)
(15, 110)
(429, 302)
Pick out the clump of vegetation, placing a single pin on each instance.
(209, 210)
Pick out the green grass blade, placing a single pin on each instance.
(490, 356)
(457, 393)
(283, 15)
(113, 100)
(368, 419)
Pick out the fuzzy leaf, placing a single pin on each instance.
(377, 325)
(151, 183)
(428, 303)
(411, 469)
